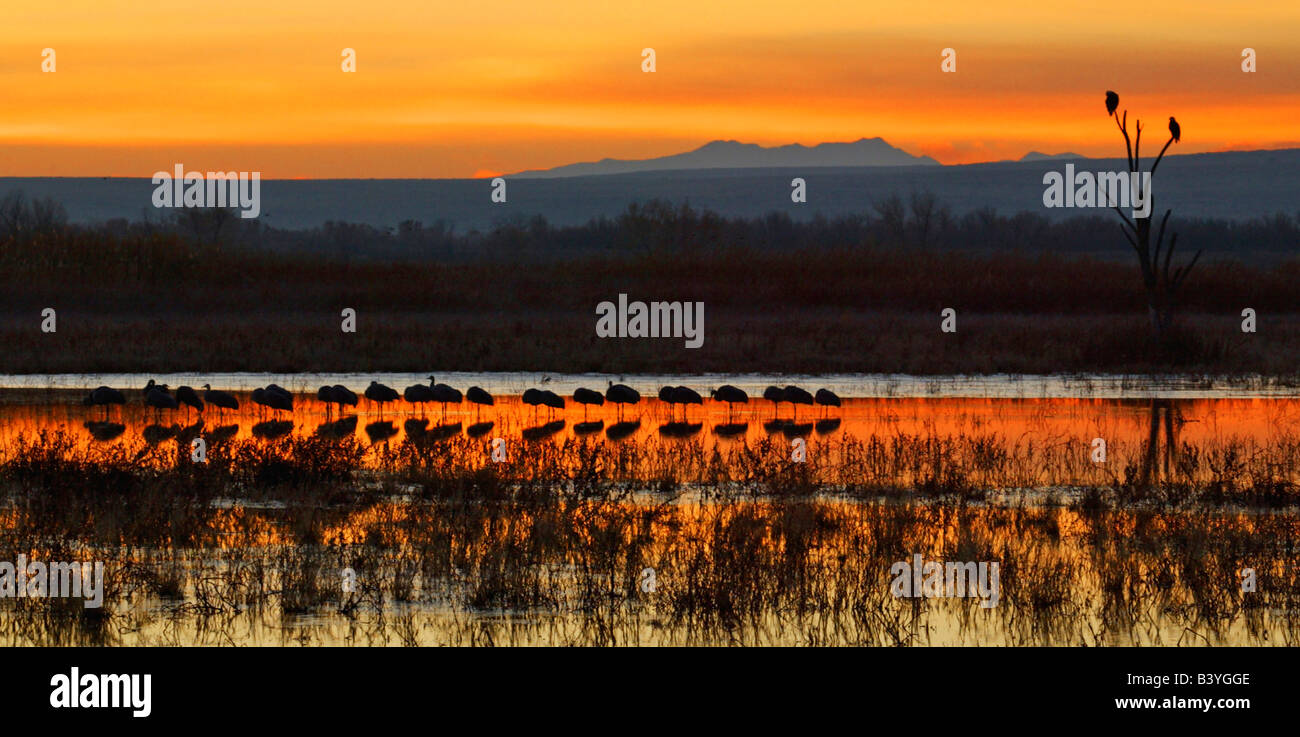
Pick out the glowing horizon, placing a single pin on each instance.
(461, 92)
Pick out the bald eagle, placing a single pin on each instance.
(1112, 102)
(1174, 130)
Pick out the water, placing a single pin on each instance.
(1096, 386)
(1198, 481)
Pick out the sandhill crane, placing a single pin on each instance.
(826, 398)
(675, 395)
(418, 394)
(284, 397)
(552, 400)
(621, 394)
(796, 396)
(732, 395)
(344, 396)
(533, 398)
(686, 396)
(668, 397)
(480, 398)
(276, 400)
(156, 396)
(219, 399)
(187, 396)
(379, 394)
(444, 395)
(103, 396)
(587, 397)
(325, 395)
(776, 396)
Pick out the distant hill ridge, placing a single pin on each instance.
(737, 155)
(1040, 156)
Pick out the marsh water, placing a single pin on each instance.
(1121, 511)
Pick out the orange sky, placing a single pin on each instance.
(456, 89)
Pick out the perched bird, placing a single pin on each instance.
(219, 399)
(188, 397)
(1112, 102)
(732, 395)
(1174, 130)
(379, 394)
(587, 397)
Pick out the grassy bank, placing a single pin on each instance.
(164, 303)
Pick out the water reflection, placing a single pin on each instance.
(997, 441)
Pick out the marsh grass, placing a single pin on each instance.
(549, 547)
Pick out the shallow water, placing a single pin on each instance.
(562, 571)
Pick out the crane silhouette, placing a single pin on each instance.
(774, 395)
(587, 397)
(732, 395)
(621, 394)
(444, 395)
(187, 396)
(480, 399)
(796, 396)
(103, 396)
(826, 398)
(418, 394)
(156, 396)
(219, 399)
(379, 394)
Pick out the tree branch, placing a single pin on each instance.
(1161, 156)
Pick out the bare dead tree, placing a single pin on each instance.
(1155, 259)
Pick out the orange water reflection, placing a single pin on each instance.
(1144, 432)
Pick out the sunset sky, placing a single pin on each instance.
(460, 89)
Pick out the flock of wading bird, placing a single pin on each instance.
(275, 399)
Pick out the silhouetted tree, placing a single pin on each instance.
(1161, 283)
